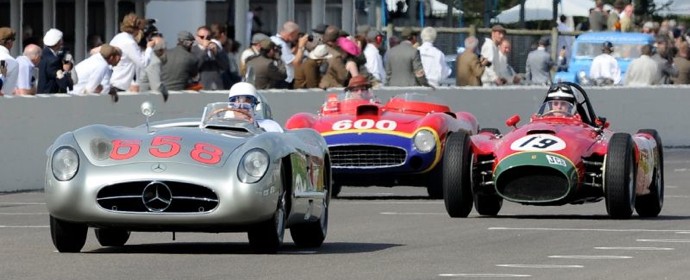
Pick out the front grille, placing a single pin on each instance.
(366, 156)
(532, 184)
(184, 198)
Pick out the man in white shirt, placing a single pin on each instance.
(133, 60)
(490, 52)
(94, 72)
(7, 37)
(25, 76)
(433, 59)
(605, 65)
(289, 34)
(642, 71)
(374, 62)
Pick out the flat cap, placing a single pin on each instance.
(185, 36)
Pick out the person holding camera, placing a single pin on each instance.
(289, 35)
(489, 50)
(133, 59)
(470, 67)
(9, 68)
(212, 59)
(54, 70)
(269, 70)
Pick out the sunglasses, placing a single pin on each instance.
(207, 37)
(359, 89)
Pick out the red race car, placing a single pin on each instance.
(397, 143)
(564, 155)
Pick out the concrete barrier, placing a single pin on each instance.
(30, 124)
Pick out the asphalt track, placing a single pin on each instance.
(383, 233)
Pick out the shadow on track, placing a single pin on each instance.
(239, 248)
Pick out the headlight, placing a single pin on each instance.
(253, 166)
(65, 163)
(424, 141)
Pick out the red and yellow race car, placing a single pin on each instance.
(564, 155)
(397, 143)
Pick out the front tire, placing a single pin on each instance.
(67, 237)
(111, 237)
(311, 235)
(650, 205)
(457, 164)
(267, 237)
(619, 176)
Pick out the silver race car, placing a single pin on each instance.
(220, 173)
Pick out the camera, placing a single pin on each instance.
(2, 63)
(310, 38)
(150, 30)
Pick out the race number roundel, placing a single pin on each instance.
(538, 142)
(364, 124)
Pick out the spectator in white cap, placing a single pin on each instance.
(54, 69)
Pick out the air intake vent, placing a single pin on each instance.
(167, 197)
(367, 156)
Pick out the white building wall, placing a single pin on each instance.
(174, 16)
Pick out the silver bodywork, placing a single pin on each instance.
(176, 175)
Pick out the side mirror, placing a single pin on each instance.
(513, 121)
(602, 122)
(147, 109)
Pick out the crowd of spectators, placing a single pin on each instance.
(324, 57)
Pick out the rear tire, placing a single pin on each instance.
(111, 237)
(619, 176)
(267, 237)
(650, 205)
(488, 205)
(457, 188)
(67, 237)
(335, 189)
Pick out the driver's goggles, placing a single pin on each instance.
(241, 105)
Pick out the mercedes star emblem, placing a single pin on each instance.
(156, 196)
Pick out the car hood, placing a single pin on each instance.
(572, 140)
(105, 145)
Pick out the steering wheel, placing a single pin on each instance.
(220, 112)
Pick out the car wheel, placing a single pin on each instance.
(435, 187)
(67, 237)
(267, 237)
(488, 205)
(111, 237)
(311, 235)
(619, 176)
(650, 205)
(335, 189)
(457, 164)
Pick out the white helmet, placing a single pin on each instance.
(243, 92)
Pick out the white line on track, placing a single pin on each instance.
(542, 265)
(22, 203)
(636, 248)
(484, 275)
(388, 202)
(680, 170)
(670, 187)
(591, 257)
(683, 232)
(4, 226)
(665, 240)
(676, 196)
(410, 213)
(12, 214)
(591, 229)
